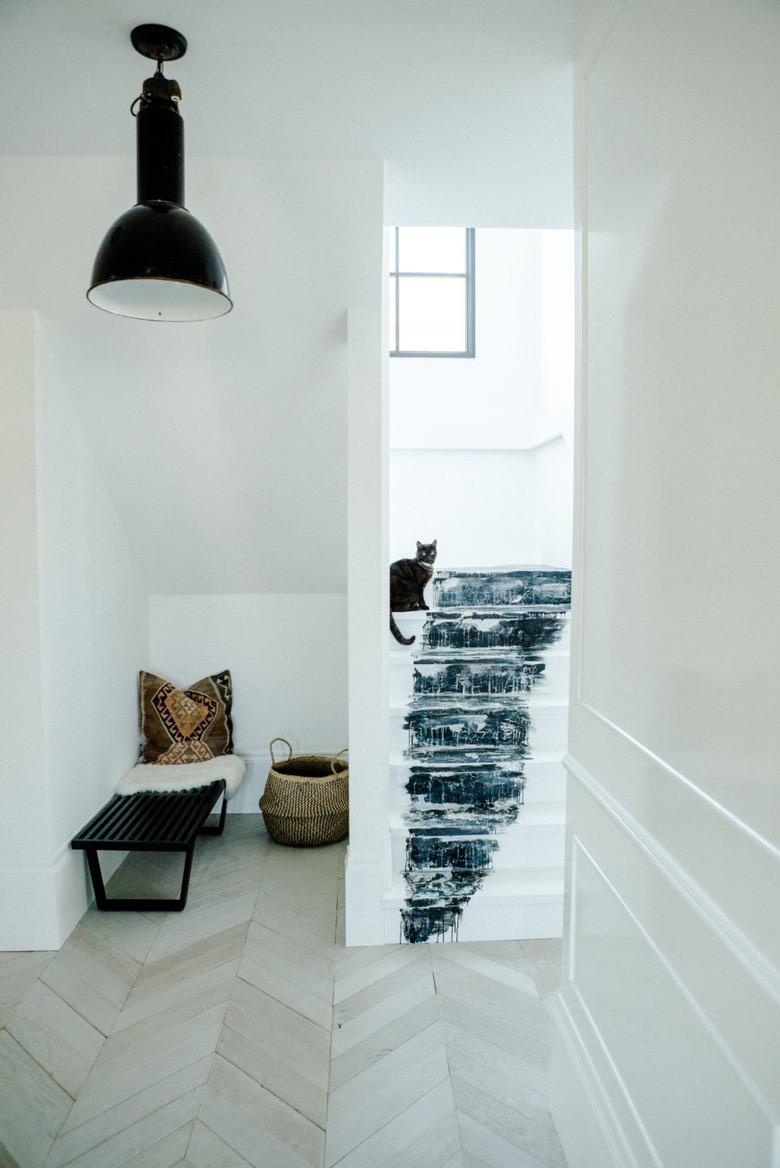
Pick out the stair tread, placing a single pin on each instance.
(531, 815)
(399, 759)
(458, 701)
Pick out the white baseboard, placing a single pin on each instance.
(586, 1123)
(365, 919)
(28, 909)
(41, 905)
(246, 800)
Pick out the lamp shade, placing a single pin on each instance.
(157, 262)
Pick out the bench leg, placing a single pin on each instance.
(118, 904)
(97, 878)
(217, 828)
(185, 880)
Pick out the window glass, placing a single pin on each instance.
(432, 314)
(431, 249)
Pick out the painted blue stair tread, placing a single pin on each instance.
(527, 631)
(508, 586)
(498, 728)
(478, 675)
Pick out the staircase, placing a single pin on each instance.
(478, 729)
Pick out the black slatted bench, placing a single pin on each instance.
(169, 822)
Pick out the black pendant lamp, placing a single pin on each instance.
(157, 262)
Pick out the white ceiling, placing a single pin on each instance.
(283, 77)
(223, 443)
(446, 91)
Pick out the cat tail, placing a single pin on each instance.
(394, 629)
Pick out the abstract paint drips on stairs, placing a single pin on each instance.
(470, 732)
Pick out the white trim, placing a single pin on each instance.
(53, 899)
(595, 1104)
(41, 904)
(656, 759)
(365, 924)
(751, 1086)
(729, 934)
(368, 616)
(531, 446)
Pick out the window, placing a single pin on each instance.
(431, 298)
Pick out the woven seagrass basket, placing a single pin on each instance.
(306, 799)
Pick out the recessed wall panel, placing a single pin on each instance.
(673, 1068)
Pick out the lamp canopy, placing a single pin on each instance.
(157, 262)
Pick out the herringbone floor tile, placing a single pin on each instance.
(243, 1034)
(18, 972)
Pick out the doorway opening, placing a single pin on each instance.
(481, 393)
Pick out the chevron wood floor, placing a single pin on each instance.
(243, 1033)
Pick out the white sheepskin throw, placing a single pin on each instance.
(182, 776)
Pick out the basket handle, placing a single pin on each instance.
(335, 759)
(271, 749)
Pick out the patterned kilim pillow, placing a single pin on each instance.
(185, 725)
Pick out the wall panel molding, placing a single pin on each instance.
(756, 964)
(635, 1079)
(701, 839)
(678, 775)
(591, 1118)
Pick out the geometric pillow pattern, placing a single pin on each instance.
(185, 725)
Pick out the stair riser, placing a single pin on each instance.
(511, 918)
(545, 782)
(489, 589)
(551, 683)
(519, 632)
(547, 732)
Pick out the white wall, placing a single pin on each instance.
(287, 657)
(554, 483)
(485, 507)
(94, 627)
(75, 663)
(517, 391)
(478, 505)
(481, 449)
(668, 1019)
(27, 911)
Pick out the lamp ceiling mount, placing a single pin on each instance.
(158, 42)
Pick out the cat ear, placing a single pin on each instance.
(435, 542)
(419, 545)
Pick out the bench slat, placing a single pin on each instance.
(149, 818)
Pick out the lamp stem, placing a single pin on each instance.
(160, 142)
